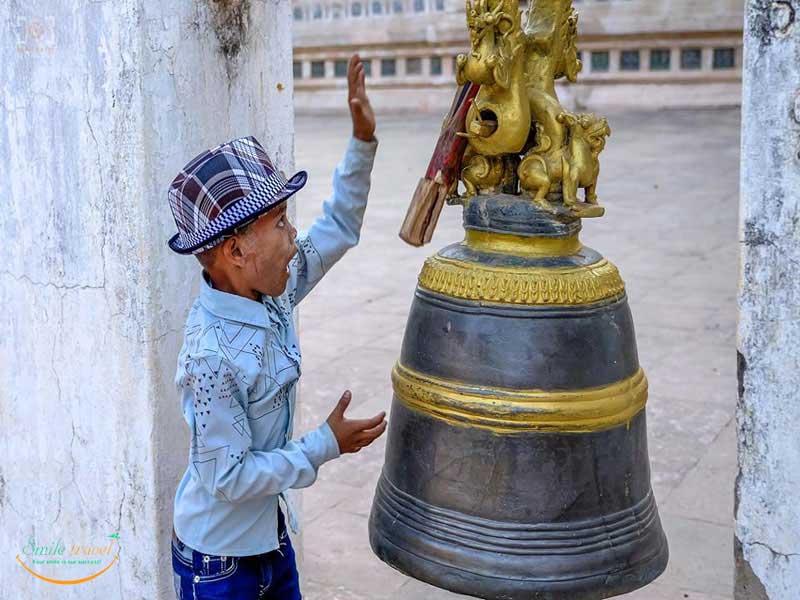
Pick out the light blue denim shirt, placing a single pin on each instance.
(237, 377)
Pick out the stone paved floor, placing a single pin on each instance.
(669, 182)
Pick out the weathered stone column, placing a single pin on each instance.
(767, 488)
(102, 103)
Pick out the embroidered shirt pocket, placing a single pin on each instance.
(271, 389)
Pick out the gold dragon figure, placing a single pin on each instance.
(519, 135)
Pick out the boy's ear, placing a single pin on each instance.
(232, 251)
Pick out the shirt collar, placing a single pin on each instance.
(231, 306)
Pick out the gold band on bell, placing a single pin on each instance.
(521, 245)
(564, 286)
(516, 411)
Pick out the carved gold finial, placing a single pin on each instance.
(520, 139)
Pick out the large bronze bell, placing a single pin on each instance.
(516, 459)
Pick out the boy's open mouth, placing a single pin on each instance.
(291, 258)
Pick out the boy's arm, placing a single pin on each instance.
(340, 224)
(339, 227)
(222, 432)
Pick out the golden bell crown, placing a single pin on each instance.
(520, 138)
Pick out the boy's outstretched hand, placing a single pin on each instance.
(360, 108)
(354, 434)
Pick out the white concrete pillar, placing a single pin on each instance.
(102, 103)
(448, 65)
(707, 58)
(768, 512)
(614, 55)
(675, 59)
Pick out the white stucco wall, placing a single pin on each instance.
(768, 511)
(102, 103)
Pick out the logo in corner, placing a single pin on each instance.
(69, 564)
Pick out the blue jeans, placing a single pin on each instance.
(269, 576)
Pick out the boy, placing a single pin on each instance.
(240, 361)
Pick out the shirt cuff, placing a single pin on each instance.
(332, 444)
(361, 154)
(321, 445)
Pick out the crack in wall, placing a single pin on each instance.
(104, 198)
(73, 480)
(775, 553)
(121, 505)
(57, 286)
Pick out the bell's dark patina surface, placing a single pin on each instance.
(516, 460)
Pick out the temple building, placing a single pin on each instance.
(634, 52)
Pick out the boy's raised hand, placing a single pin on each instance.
(354, 434)
(360, 108)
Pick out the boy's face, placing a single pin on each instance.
(262, 253)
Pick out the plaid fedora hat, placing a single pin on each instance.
(223, 189)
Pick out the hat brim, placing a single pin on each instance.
(252, 206)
